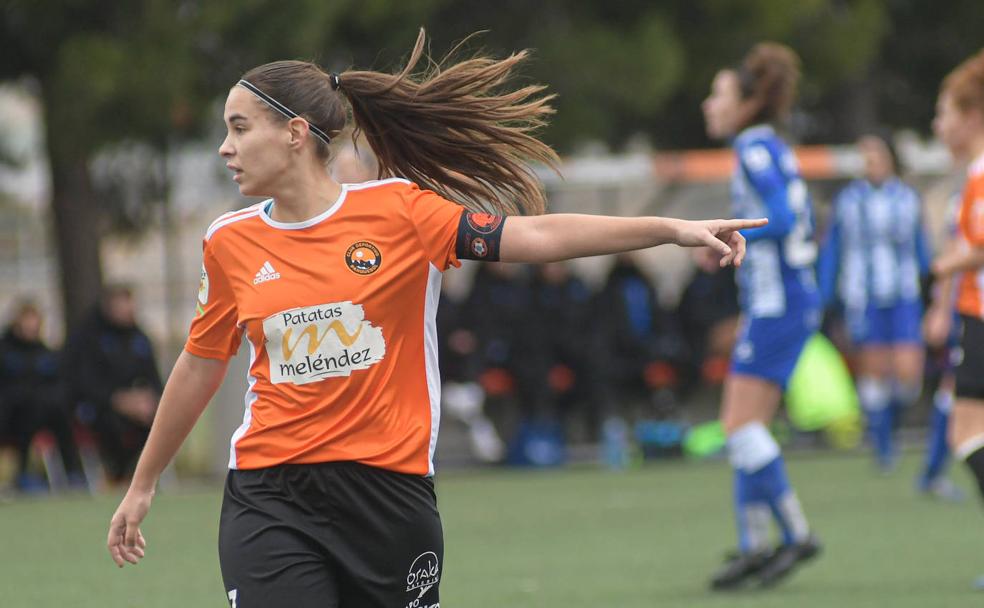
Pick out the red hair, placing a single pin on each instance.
(965, 84)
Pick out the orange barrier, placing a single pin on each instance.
(816, 162)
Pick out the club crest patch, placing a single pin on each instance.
(479, 247)
(363, 258)
(483, 223)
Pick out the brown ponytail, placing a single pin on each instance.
(768, 77)
(455, 130)
(459, 129)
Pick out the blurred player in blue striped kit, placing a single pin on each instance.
(780, 306)
(872, 263)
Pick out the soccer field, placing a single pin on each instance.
(646, 537)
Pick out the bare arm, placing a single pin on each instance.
(192, 383)
(943, 296)
(938, 320)
(958, 260)
(562, 236)
(943, 290)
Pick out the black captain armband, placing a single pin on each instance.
(479, 236)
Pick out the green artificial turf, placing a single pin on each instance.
(575, 538)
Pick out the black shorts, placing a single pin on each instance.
(331, 535)
(970, 370)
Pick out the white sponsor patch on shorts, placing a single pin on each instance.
(425, 572)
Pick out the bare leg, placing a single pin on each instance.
(748, 399)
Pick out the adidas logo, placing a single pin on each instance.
(266, 273)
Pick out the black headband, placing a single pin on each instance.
(276, 105)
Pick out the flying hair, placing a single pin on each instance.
(459, 128)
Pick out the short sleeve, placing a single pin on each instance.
(436, 221)
(215, 331)
(972, 212)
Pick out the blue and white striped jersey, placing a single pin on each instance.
(777, 277)
(876, 249)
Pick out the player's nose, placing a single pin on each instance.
(225, 148)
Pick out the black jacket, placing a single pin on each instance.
(102, 358)
(26, 367)
(636, 325)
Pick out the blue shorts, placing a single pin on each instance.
(768, 347)
(898, 324)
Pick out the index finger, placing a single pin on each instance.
(742, 224)
(114, 539)
(115, 547)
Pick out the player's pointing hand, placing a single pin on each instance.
(722, 236)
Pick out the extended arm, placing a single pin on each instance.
(562, 236)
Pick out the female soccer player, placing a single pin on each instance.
(959, 124)
(780, 308)
(330, 498)
(872, 261)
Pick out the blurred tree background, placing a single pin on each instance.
(151, 73)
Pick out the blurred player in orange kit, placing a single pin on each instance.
(959, 124)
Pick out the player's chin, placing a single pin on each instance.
(247, 188)
(714, 133)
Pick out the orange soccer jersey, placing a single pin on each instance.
(339, 316)
(970, 297)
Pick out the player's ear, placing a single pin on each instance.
(298, 131)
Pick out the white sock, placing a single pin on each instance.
(793, 516)
(751, 447)
(875, 394)
(758, 518)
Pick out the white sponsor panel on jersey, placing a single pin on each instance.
(313, 343)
